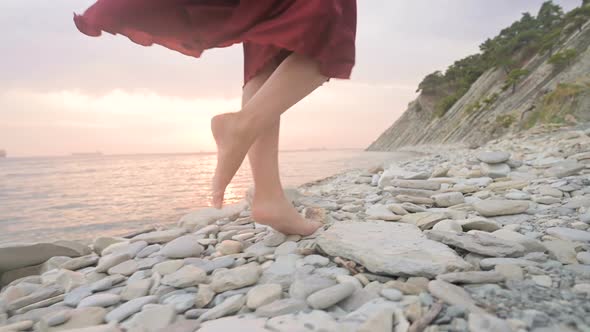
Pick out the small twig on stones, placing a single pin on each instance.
(349, 265)
(422, 323)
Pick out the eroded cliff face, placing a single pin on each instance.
(486, 111)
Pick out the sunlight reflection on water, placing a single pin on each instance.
(85, 197)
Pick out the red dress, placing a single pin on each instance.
(270, 29)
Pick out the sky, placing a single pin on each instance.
(63, 92)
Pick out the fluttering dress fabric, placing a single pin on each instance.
(270, 30)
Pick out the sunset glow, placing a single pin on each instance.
(64, 92)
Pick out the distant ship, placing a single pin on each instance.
(2, 154)
(87, 154)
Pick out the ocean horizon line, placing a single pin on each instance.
(99, 154)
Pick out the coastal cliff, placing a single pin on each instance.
(528, 75)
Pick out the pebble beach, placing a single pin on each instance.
(459, 238)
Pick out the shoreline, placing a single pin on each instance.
(449, 238)
(180, 153)
(163, 189)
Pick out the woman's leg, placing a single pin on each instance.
(296, 77)
(270, 206)
(263, 154)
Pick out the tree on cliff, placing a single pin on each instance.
(550, 40)
(431, 82)
(514, 77)
(549, 15)
(509, 51)
(577, 18)
(563, 59)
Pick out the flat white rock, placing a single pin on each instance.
(185, 277)
(325, 298)
(152, 318)
(453, 295)
(182, 247)
(100, 300)
(129, 308)
(263, 294)
(381, 212)
(569, 234)
(478, 242)
(498, 207)
(495, 171)
(448, 199)
(229, 306)
(313, 321)
(235, 278)
(390, 248)
(493, 157)
(235, 323)
(160, 236)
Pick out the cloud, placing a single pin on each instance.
(341, 114)
(116, 122)
(63, 91)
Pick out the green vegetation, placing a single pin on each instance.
(475, 106)
(514, 77)
(484, 104)
(505, 120)
(445, 104)
(508, 51)
(557, 104)
(577, 18)
(563, 59)
(491, 99)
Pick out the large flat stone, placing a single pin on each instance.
(229, 306)
(506, 185)
(282, 271)
(36, 296)
(493, 157)
(416, 184)
(478, 242)
(151, 318)
(565, 168)
(248, 323)
(500, 207)
(392, 173)
(381, 212)
(569, 234)
(236, 278)
(81, 318)
(390, 248)
(160, 236)
(472, 277)
(424, 220)
(529, 243)
(495, 171)
(17, 255)
(453, 295)
(563, 251)
(303, 321)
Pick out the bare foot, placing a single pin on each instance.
(282, 216)
(233, 142)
